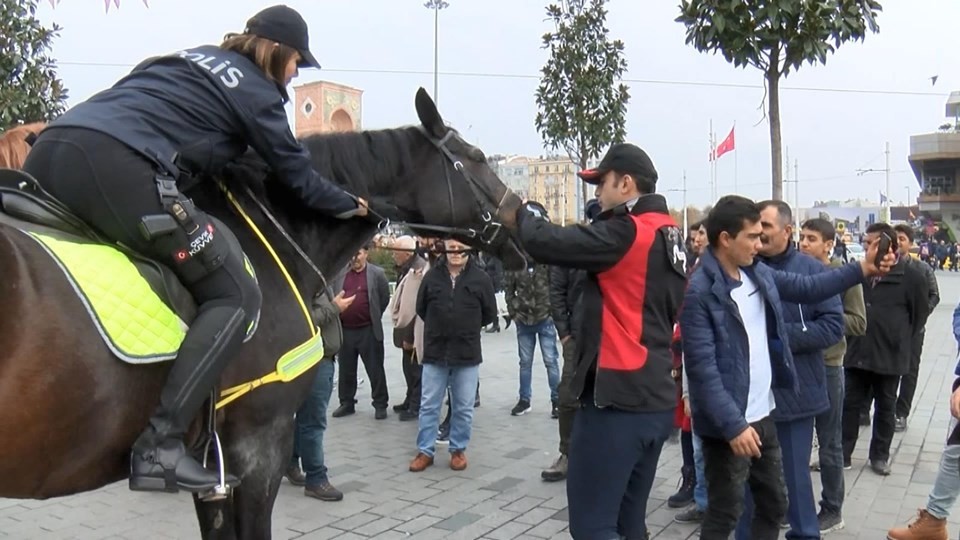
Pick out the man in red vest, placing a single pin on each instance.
(635, 259)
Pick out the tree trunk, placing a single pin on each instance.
(585, 191)
(776, 147)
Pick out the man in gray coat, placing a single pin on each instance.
(363, 333)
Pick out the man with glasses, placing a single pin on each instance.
(455, 301)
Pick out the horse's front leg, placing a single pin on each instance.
(216, 519)
(261, 454)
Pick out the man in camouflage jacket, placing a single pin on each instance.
(528, 303)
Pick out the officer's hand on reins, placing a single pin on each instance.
(362, 207)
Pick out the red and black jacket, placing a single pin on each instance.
(635, 262)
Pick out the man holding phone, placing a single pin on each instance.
(897, 308)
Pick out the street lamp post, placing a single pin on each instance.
(436, 6)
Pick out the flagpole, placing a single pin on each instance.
(735, 182)
(713, 164)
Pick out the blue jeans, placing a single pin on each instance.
(830, 435)
(947, 486)
(311, 423)
(608, 484)
(463, 392)
(796, 442)
(527, 341)
(700, 490)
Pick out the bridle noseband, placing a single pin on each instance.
(490, 234)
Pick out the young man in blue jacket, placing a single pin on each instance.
(736, 351)
(811, 328)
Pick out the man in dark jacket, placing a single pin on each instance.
(736, 351)
(634, 256)
(908, 383)
(455, 302)
(897, 308)
(527, 294)
(811, 329)
(566, 289)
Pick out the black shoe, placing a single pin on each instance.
(295, 476)
(344, 410)
(684, 495)
(476, 402)
(829, 521)
(521, 408)
(880, 467)
(509, 321)
(443, 436)
(847, 464)
(493, 329)
(381, 414)
(401, 407)
(408, 415)
(324, 492)
(691, 515)
(900, 424)
(555, 410)
(148, 470)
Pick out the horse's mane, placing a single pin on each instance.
(13, 144)
(355, 160)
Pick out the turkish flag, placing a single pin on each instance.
(727, 145)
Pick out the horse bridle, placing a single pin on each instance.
(490, 235)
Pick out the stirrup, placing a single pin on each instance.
(221, 491)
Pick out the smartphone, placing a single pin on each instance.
(883, 247)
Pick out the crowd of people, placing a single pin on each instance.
(751, 343)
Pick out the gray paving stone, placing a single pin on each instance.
(458, 521)
(504, 484)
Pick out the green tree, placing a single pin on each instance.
(29, 88)
(581, 101)
(776, 37)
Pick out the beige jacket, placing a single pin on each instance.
(403, 305)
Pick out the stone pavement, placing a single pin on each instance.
(500, 496)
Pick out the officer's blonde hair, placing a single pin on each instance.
(270, 56)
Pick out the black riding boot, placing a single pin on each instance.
(159, 461)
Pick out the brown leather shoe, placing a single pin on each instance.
(924, 527)
(421, 462)
(458, 460)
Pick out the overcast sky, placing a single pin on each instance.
(880, 89)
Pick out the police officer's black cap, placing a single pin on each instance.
(624, 158)
(285, 26)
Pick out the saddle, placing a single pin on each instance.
(25, 206)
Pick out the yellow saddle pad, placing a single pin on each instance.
(131, 318)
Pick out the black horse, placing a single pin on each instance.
(424, 174)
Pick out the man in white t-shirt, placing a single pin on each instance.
(736, 351)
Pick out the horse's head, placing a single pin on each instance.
(456, 188)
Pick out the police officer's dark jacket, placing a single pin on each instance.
(631, 297)
(199, 109)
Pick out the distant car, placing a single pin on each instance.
(855, 252)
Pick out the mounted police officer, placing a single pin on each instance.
(193, 111)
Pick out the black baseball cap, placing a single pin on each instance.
(284, 25)
(621, 157)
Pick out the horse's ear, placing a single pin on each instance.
(429, 115)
